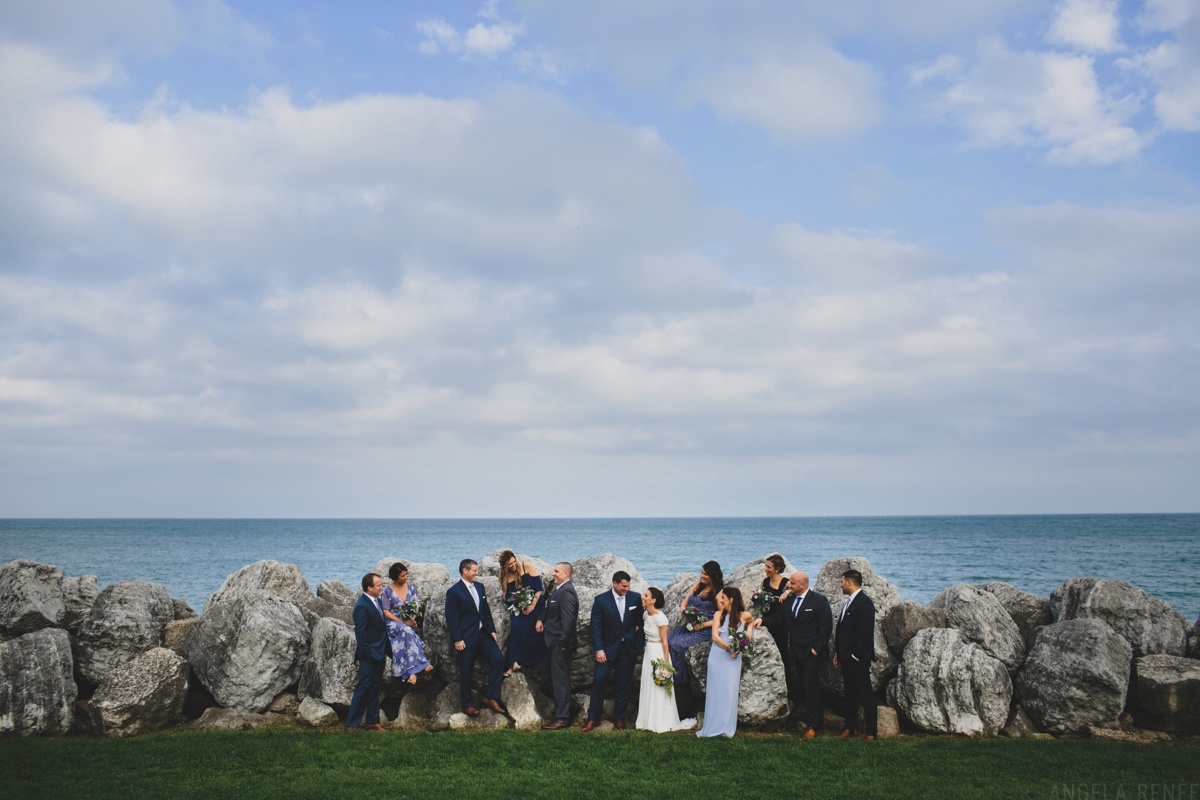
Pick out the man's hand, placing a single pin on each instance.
(460, 645)
(815, 653)
(494, 639)
(757, 623)
(835, 663)
(601, 658)
(539, 627)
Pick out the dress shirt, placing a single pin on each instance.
(849, 600)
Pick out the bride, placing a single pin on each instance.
(656, 708)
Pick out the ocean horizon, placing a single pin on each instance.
(921, 555)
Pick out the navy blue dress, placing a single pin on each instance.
(525, 644)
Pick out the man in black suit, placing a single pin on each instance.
(557, 625)
(469, 621)
(854, 649)
(618, 641)
(810, 621)
(370, 651)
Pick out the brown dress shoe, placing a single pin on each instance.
(588, 726)
(376, 727)
(557, 725)
(471, 711)
(619, 725)
(811, 733)
(495, 705)
(846, 734)
(868, 738)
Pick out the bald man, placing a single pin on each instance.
(810, 621)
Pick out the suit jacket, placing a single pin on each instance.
(560, 616)
(609, 632)
(809, 628)
(855, 637)
(463, 620)
(370, 631)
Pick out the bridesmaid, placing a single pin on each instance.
(408, 651)
(702, 596)
(724, 668)
(775, 620)
(525, 644)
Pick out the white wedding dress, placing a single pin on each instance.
(656, 708)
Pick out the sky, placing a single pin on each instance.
(535, 258)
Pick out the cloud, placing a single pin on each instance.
(1092, 26)
(487, 41)
(1172, 66)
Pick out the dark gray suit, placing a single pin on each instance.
(558, 625)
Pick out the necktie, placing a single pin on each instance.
(843, 616)
(796, 606)
(621, 608)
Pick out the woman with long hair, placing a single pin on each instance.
(703, 597)
(523, 591)
(724, 665)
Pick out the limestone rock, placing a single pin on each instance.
(285, 704)
(888, 723)
(127, 619)
(675, 591)
(219, 719)
(883, 594)
(748, 577)
(1150, 625)
(459, 722)
(176, 633)
(762, 692)
(79, 595)
(1019, 726)
(145, 695)
(31, 597)
(282, 580)
(182, 609)
(330, 673)
(906, 620)
(1168, 691)
(1193, 642)
(415, 710)
(983, 620)
(337, 593)
(583, 663)
(1028, 611)
(321, 608)
(527, 706)
(490, 565)
(1075, 675)
(438, 647)
(315, 713)
(946, 684)
(1128, 737)
(445, 705)
(597, 572)
(248, 648)
(489, 720)
(37, 684)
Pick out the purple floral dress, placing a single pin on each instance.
(679, 638)
(408, 651)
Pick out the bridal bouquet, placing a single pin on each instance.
(740, 643)
(409, 609)
(664, 673)
(521, 600)
(692, 618)
(762, 601)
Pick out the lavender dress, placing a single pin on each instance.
(679, 639)
(408, 651)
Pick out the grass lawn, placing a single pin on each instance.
(288, 763)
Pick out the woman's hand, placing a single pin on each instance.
(412, 623)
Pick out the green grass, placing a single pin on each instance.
(288, 763)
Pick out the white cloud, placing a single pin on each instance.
(487, 41)
(1173, 66)
(1092, 26)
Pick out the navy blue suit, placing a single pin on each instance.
(854, 643)
(370, 651)
(622, 643)
(475, 629)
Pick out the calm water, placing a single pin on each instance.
(920, 555)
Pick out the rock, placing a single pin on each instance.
(675, 591)
(604, 726)
(527, 706)
(1128, 737)
(316, 714)
(1168, 692)
(888, 724)
(748, 577)
(490, 565)
(256, 721)
(182, 609)
(489, 720)
(219, 719)
(883, 594)
(127, 619)
(906, 620)
(439, 648)
(285, 703)
(176, 633)
(337, 593)
(1075, 675)
(445, 705)
(37, 684)
(282, 580)
(79, 595)
(983, 620)
(1019, 726)
(1150, 625)
(583, 662)
(415, 710)
(330, 673)
(762, 693)
(145, 695)
(248, 648)
(597, 572)
(946, 684)
(1028, 611)
(31, 597)
(459, 721)
(1193, 643)
(321, 608)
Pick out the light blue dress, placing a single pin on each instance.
(721, 696)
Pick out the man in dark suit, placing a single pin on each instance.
(854, 649)
(810, 621)
(557, 625)
(469, 621)
(370, 651)
(618, 641)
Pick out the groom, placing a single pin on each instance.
(469, 621)
(617, 640)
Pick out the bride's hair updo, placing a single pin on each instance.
(659, 598)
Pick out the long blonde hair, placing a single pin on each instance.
(505, 557)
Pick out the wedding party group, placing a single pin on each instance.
(625, 629)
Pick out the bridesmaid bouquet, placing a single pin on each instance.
(692, 618)
(664, 674)
(408, 609)
(762, 601)
(742, 644)
(517, 602)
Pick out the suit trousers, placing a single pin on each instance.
(809, 671)
(856, 675)
(558, 669)
(364, 703)
(622, 666)
(486, 647)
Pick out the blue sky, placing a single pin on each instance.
(635, 258)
